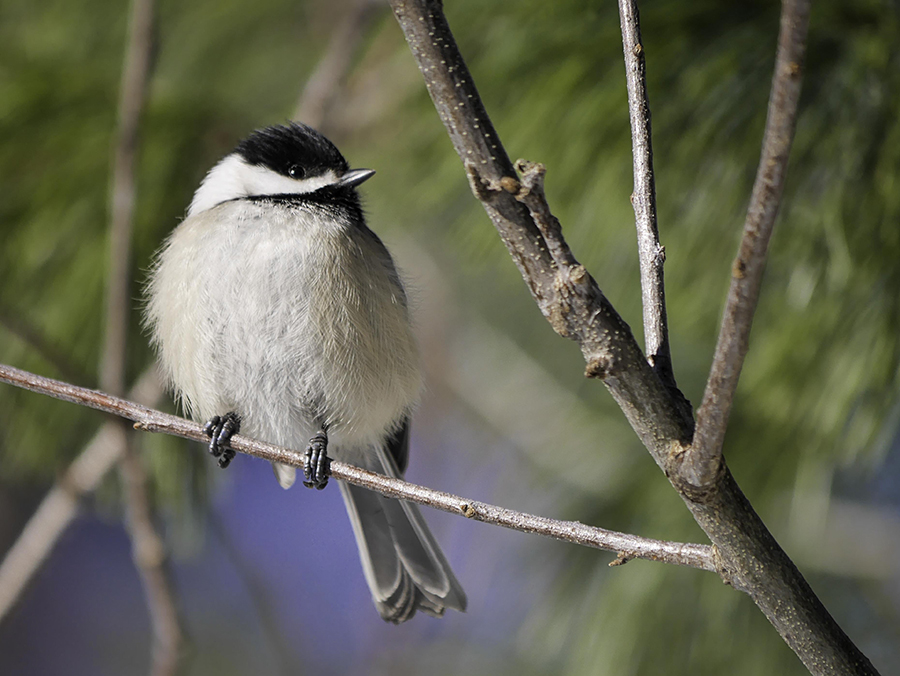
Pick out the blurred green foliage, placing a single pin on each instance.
(819, 389)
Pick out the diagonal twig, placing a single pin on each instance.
(703, 462)
(150, 555)
(147, 419)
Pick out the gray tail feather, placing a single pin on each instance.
(402, 562)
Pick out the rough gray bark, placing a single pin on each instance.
(748, 557)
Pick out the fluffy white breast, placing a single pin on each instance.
(290, 320)
(233, 178)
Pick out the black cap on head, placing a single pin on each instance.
(293, 149)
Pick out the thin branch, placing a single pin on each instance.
(323, 86)
(652, 255)
(147, 419)
(60, 506)
(747, 555)
(703, 462)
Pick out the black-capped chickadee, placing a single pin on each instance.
(276, 311)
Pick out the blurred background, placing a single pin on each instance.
(268, 581)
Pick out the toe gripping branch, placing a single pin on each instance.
(316, 463)
(220, 429)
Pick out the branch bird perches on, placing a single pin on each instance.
(150, 420)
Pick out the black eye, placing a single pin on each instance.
(296, 171)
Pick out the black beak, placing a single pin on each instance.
(354, 177)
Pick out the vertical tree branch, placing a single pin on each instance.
(703, 462)
(489, 169)
(148, 549)
(643, 199)
(565, 293)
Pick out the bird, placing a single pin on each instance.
(276, 312)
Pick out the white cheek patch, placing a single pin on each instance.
(233, 178)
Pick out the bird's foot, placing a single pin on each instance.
(316, 463)
(220, 429)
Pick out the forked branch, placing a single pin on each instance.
(572, 302)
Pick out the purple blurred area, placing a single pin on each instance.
(299, 604)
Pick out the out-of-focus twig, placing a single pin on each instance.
(150, 557)
(135, 78)
(148, 549)
(324, 85)
(59, 507)
(703, 461)
(147, 419)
